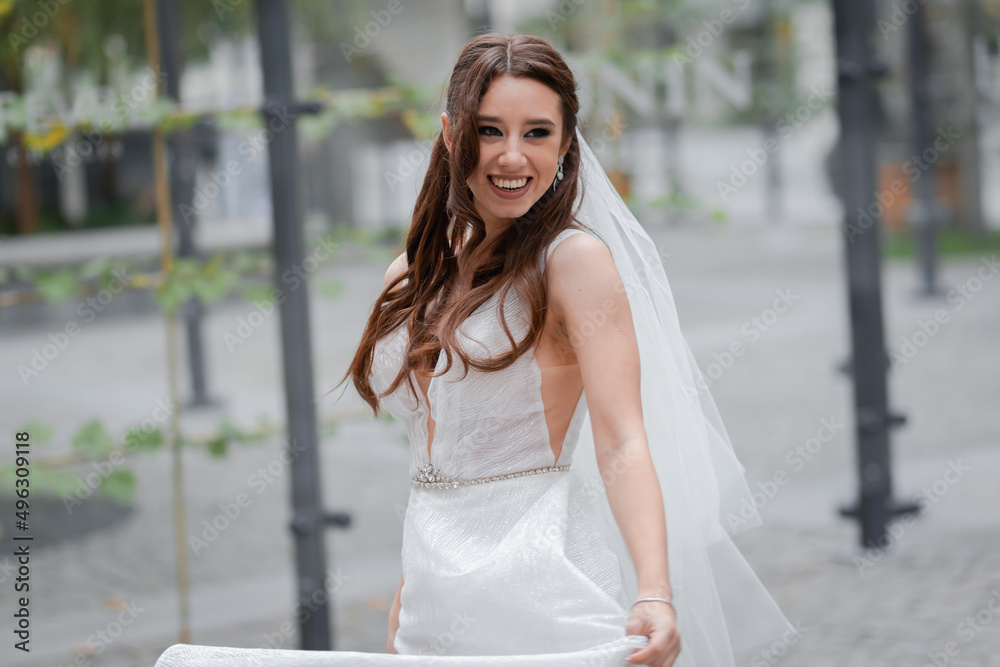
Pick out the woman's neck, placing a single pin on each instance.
(482, 252)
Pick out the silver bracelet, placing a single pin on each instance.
(653, 599)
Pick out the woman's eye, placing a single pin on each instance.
(487, 130)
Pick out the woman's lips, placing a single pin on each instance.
(509, 194)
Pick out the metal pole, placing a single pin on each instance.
(856, 107)
(308, 522)
(923, 212)
(481, 16)
(968, 101)
(183, 162)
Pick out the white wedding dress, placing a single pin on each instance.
(516, 565)
(511, 571)
(525, 565)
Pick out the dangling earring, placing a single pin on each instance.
(559, 174)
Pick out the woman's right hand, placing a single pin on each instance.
(394, 620)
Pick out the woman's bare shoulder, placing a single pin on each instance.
(576, 255)
(580, 262)
(397, 267)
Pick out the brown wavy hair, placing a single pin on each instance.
(445, 197)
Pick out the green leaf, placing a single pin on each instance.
(179, 120)
(256, 293)
(56, 285)
(330, 288)
(239, 120)
(40, 433)
(242, 261)
(217, 447)
(212, 287)
(230, 431)
(25, 273)
(43, 480)
(119, 485)
(153, 113)
(93, 441)
(140, 439)
(95, 267)
(54, 481)
(319, 126)
(172, 294)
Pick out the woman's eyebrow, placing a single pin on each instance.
(533, 121)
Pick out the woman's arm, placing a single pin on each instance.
(394, 618)
(588, 295)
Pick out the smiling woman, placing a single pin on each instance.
(536, 528)
(521, 149)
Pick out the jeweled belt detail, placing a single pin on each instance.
(429, 478)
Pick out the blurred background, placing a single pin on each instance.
(822, 180)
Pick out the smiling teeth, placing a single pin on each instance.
(509, 185)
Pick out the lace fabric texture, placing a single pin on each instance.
(511, 566)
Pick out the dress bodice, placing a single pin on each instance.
(487, 423)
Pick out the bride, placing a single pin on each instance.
(558, 423)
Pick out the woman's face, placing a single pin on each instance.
(520, 132)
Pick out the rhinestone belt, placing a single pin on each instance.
(429, 478)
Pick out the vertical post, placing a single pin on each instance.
(307, 524)
(183, 161)
(480, 15)
(923, 213)
(971, 211)
(856, 106)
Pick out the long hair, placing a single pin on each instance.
(434, 243)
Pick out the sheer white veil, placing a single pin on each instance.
(723, 609)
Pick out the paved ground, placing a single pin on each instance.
(937, 590)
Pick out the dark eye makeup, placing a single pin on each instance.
(543, 132)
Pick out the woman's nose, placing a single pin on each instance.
(513, 155)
